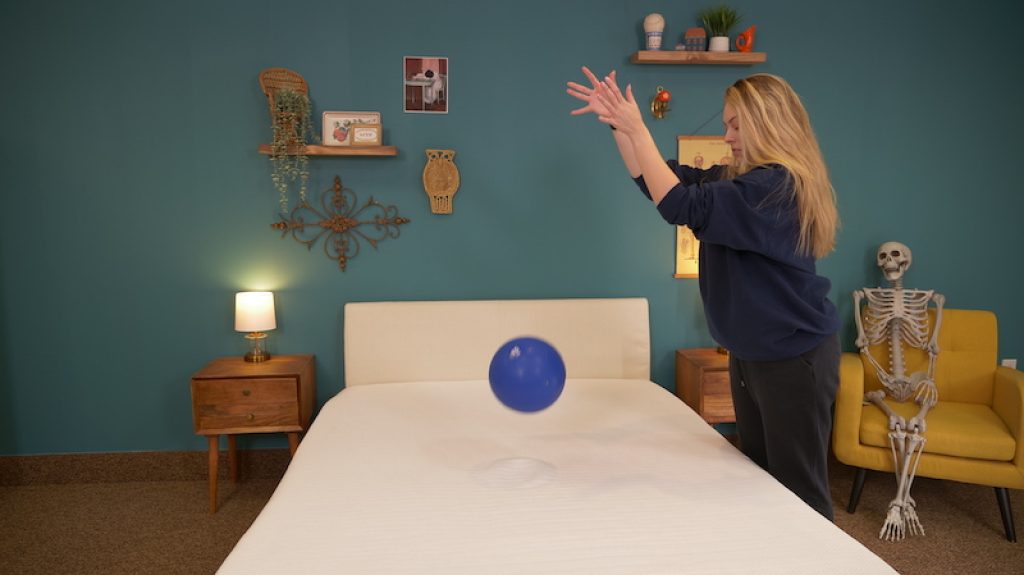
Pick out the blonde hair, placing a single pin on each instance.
(775, 129)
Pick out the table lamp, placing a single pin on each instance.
(254, 313)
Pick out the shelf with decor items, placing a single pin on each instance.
(691, 57)
(316, 150)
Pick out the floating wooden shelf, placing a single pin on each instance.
(315, 150)
(698, 58)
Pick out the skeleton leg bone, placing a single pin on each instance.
(894, 527)
(916, 443)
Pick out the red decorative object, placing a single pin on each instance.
(659, 102)
(745, 39)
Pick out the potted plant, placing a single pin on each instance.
(292, 129)
(718, 21)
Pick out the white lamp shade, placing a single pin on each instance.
(254, 311)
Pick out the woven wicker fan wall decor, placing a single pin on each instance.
(274, 79)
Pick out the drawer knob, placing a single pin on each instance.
(250, 417)
(246, 392)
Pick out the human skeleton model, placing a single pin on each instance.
(899, 317)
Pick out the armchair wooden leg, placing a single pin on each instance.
(1003, 497)
(858, 486)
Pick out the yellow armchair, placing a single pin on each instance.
(975, 434)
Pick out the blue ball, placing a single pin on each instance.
(527, 374)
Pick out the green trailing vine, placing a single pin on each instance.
(292, 129)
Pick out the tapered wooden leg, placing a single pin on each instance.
(293, 443)
(214, 445)
(233, 458)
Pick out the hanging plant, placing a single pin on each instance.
(292, 129)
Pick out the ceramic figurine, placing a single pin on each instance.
(695, 39)
(745, 39)
(654, 25)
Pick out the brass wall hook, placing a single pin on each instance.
(659, 103)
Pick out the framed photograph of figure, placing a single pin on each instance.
(337, 126)
(699, 152)
(425, 84)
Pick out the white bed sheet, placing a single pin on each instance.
(617, 477)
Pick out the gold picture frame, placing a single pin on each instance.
(699, 152)
(365, 134)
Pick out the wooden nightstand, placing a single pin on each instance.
(702, 381)
(230, 396)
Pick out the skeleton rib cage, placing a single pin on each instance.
(898, 316)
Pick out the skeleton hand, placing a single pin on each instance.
(927, 393)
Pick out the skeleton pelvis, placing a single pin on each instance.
(907, 388)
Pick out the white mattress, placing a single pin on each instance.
(617, 477)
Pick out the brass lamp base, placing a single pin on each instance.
(257, 354)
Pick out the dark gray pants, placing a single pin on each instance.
(784, 418)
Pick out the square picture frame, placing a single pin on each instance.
(699, 152)
(337, 126)
(425, 85)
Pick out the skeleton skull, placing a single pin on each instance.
(894, 259)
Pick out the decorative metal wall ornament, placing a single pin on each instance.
(343, 222)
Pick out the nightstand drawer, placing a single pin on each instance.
(228, 405)
(718, 409)
(717, 383)
(702, 381)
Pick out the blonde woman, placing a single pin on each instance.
(762, 222)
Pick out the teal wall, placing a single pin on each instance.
(135, 204)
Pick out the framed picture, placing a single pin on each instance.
(337, 127)
(699, 152)
(364, 134)
(425, 84)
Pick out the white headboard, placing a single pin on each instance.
(388, 342)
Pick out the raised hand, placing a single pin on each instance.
(588, 95)
(620, 110)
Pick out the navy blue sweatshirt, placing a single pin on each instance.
(763, 300)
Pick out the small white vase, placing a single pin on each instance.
(718, 44)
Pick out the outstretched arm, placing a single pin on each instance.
(622, 112)
(587, 95)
